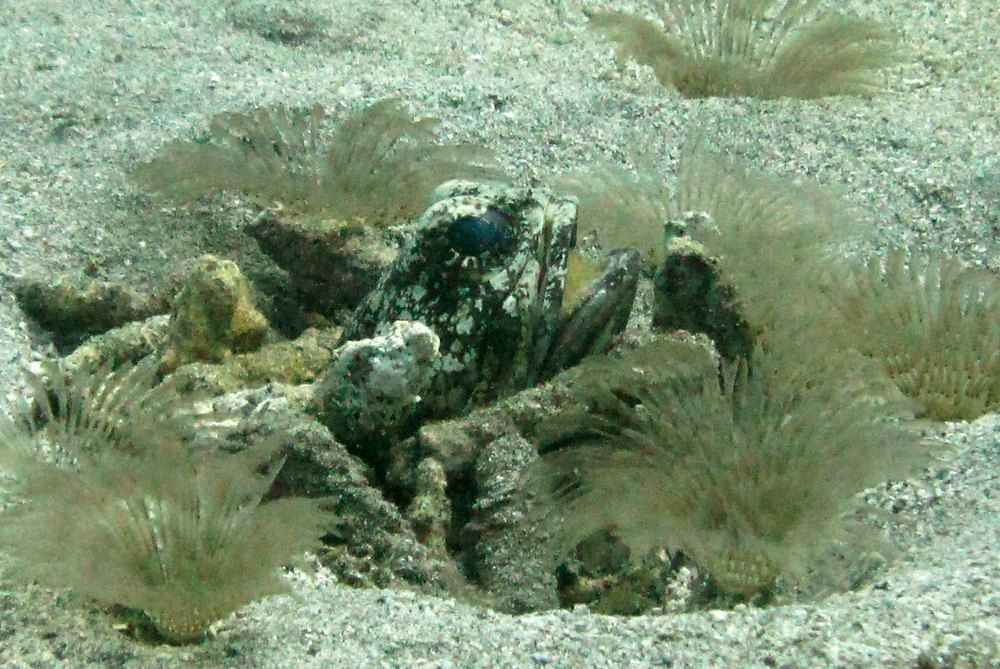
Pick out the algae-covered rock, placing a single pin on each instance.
(293, 362)
(691, 294)
(123, 345)
(331, 264)
(371, 543)
(73, 309)
(213, 315)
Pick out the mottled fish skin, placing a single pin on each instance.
(486, 270)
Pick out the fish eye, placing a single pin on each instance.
(474, 235)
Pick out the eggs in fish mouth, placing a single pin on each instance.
(486, 270)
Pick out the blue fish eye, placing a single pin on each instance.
(475, 235)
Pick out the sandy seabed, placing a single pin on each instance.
(91, 88)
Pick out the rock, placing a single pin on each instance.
(373, 387)
(74, 309)
(292, 362)
(126, 344)
(213, 315)
(371, 544)
(690, 294)
(460, 480)
(331, 264)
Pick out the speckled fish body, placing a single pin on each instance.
(486, 270)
